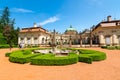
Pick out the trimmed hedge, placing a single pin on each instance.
(25, 56)
(88, 56)
(20, 57)
(7, 54)
(117, 47)
(104, 47)
(7, 46)
(111, 47)
(50, 59)
(85, 58)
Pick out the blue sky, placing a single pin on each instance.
(60, 14)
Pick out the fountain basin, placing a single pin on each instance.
(56, 52)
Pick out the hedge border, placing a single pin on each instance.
(19, 57)
(111, 47)
(52, 60)
(87, 56)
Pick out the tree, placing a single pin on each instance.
(15, 39)
(5, 20)
(9, 35)
(7, 27)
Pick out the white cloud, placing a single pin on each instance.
(21, 10)
(49, 20)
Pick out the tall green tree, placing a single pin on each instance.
(16, 32)
(7, 27)
(9, 35)
(5, 20)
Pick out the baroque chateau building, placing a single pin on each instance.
(104, 33)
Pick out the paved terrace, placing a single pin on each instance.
(108, 69)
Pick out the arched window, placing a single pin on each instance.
(43, 40)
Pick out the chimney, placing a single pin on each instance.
(109, 18)
(35, 25)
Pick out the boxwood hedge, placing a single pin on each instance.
(50, 59)
(7, 54)
(25, 56)
(21, 56)
(111, 47)
(90, 55)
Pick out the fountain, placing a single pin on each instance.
(54, 50)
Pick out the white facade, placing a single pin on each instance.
(33, 37)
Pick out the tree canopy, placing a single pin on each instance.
(7, 27)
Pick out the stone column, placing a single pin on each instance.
(19, 40)
(90, 38)
(114, 41)
(54, 37)
(61, 42)
(25, 41)
(46, 41)
(54, 41)
(39, 40)
(80, 39)
(101, 41)
(32, 40)
(70, 42)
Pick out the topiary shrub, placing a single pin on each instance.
(50, 59)
(26, 52)
(7, 54)
(85, 58)
(111, 47)
(117, 47)
(21, 57)
(104, 47)
(88, 56)
(25, 56)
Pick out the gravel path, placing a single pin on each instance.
(108, 69)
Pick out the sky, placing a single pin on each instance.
(60, 14)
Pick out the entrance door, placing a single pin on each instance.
(107, 40)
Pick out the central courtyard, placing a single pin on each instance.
(103, 70)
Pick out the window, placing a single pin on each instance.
(22, 40)
(113, 31)
(107, 40)
(43, 40)
(28, 40)
(35, 40)
(101, 32)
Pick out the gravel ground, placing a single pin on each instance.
(108, 69)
